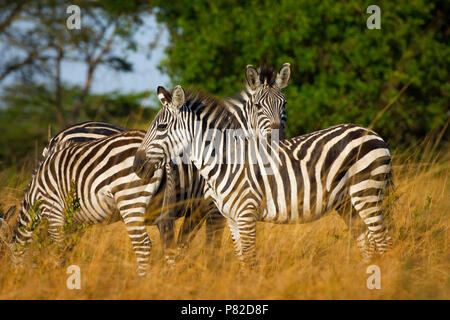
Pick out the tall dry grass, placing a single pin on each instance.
(311, 261)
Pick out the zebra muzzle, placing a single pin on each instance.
(143, 167)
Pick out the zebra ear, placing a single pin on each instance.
(164, 96)
(283, 76)
(252, 77)
(178, 97)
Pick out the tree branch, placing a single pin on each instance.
(10, 17)
(92, 65)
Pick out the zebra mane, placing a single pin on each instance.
(201, 99)
(51, 148)
(267, 74)
(203, 104)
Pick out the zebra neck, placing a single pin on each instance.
(241, 104)
(226, 160)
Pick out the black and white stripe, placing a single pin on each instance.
(187, 186)
(262, 101)
(295, 180)
(254, 102)
(92, 130)
(99, 174)
(81, 132)
(262, 107)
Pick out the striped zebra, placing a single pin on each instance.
(92, 130)
(95, 179)
(261, 105)
(290, 181)
(105, 204)
(81, 132)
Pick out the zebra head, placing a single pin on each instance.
(267, 103)
(153, 153)
(5, 230)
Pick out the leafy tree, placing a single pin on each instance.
(28, 121)
(36, 42)
(341, 71)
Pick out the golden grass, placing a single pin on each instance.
(311, 261)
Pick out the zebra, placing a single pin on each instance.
(264, 104)
(96, 179)
(261, 101)
(70, 140)
(288, 181)
(81, 132)
(91, 130)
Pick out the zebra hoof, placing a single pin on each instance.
(366, 246)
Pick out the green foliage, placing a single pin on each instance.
(35, 44)
(341, 71)
(115, 106)
(34, 216)
(72, 205)
(72, 230)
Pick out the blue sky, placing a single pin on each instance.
(145, 75)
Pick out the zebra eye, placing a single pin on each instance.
(162, 126)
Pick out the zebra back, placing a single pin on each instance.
(81, 132)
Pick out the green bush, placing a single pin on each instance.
(28, 119)
(341, 71)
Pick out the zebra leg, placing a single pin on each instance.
(22, 233)
(166, 222)
(167, 235)
(247, 232)
(55, 230)
(357, 229)
(235, 236)
(368, 204)
(244, 230)
(133, 217)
